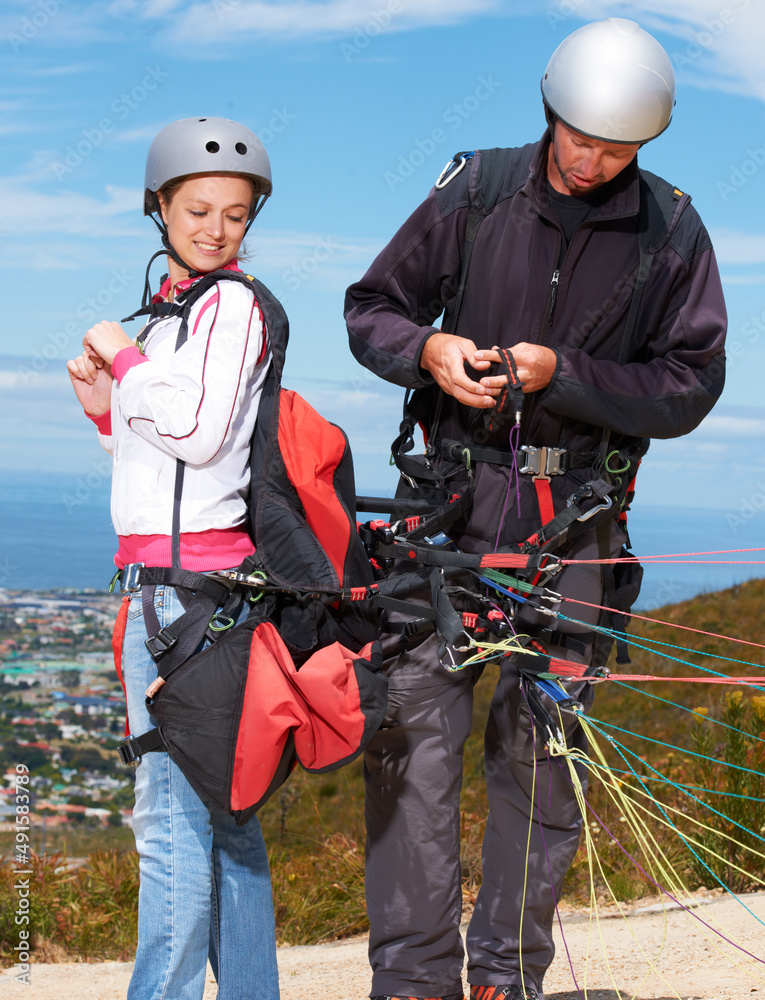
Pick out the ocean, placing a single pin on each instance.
(57, 533)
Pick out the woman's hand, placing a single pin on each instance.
(106, 339)
(92, 382)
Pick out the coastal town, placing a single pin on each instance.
(61, 714)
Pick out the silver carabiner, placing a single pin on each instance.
(602, 506)
(445, 176)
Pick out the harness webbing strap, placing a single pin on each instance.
(187, 579)
(453, 450)
(544, 498)
(134, 747)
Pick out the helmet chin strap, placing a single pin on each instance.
(146, 301)
(171, 249)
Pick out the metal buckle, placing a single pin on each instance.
(130, 580)
(127, 754)
(542, 462)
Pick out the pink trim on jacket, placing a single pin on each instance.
(201, 551)
(126, 359)
(103, 423)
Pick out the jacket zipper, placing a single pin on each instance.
(546, 322)
(554, 281)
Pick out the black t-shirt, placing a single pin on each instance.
(571, 210)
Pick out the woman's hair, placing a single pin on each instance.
(169, 189)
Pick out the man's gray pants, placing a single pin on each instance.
(413, 772)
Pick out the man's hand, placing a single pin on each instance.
(535, 364)
(444, 356)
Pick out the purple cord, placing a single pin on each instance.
(513, 440)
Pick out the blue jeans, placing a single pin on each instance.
(205, 888)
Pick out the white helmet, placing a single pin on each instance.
(612, 81)
(205, 146)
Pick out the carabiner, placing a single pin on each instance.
(447, 174)
(601, 506)
(216, 618)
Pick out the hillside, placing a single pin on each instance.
(314, 824)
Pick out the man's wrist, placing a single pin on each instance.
(423, 368)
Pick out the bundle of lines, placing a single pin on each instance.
(681, 816)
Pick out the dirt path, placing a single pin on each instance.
(691, 963)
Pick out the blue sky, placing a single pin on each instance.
(359, 105)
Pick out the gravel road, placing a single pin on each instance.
(655, 954)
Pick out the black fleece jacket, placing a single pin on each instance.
(675, 369)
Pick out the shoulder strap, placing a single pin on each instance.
(660, 207)
(492, 172)
(276, 329)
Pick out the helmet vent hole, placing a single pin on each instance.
(241, 148)
(212, 146)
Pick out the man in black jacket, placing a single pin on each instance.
(601, 281)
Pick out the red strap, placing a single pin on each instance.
(118, 636)
(544, 497)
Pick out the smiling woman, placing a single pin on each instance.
(206, 217)
(177, 409)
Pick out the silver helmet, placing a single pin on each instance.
(206, 146)
(612, 81)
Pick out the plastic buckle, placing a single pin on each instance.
(128, 756)
(131, 578)
(161, 643)
(415, 626)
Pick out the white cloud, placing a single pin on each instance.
(37, 213)
(735, 247)
(301, 17)
(732, 427)
(143, 134)
(26, 380)
(63, 70)
(710, 53)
